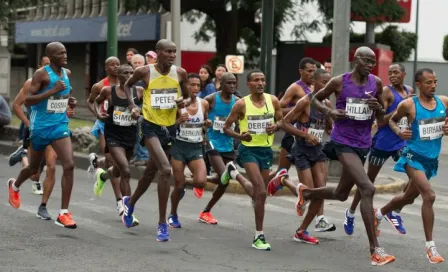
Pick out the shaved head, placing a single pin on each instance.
(53, 47)
(111, 59)
(364, 51)
(163, 44)
(226, 76)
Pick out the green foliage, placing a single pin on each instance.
(402, 43)
(445, 48)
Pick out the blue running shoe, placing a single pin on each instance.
(162, 233)
(173, 221)
(127, 217)
(349, 223)
(183, 192)
(396, 222)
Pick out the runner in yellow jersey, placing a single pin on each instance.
(164, 83)
(257, 113)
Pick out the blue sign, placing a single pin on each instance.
(130, 28)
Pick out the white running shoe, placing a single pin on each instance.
(120, 207)
(93, 159)
(37, 188)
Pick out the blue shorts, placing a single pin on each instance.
(97, 128)
(41, 138)
(428, 166)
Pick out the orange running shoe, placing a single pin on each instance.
(300, 203)
(433, 255)
(14, 197)
(207, 217)
(379, 257)
(198, 192)
(65, 220)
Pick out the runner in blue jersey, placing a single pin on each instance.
(428, 123)
(49, 98)
(385, 143)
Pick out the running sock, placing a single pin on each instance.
(430, 244)
(350, 213)
(16, 189)
(63, 211)
(234, 174)
(206, 210)
(379, 215)
(43, 204)
(258, 233)
(119, 199)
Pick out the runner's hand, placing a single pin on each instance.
(135, 111)
(102, 116)
(445, 127)
(406, 134)
(72, 102)
(245, 136)
(271, 128)
(70, 112)
(336, 114)
(180, 103)
(208, 123)
(373, 103)
(183, 118)
(59, 86)
(312, 140)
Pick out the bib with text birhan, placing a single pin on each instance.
(123, 117)
(163, 99)
(256, 124)
(57, 104)
(431, 129)
(358, 109)
(316, 131)
(218, 124)
(191, 132)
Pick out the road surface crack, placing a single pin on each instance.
(183, 248)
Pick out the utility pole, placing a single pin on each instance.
(267, 40)
(416, 44)
(112, 21)
(175, 29)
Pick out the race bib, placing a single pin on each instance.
(191, 132)
(57, 104)
(122, 117)
(358, 109)
(318, 133)
(256, 124)
(105, 105)
(403, 124)
(163, 99)
(218, 124)
(431, 129)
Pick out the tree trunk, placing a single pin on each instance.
(227, 34)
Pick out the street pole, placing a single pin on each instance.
(416, 44)
(112, 21)
(175, 29)
(267, 41)
(264, 12)
(370, 33)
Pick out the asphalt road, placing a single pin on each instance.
(102, 243)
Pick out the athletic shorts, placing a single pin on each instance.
(333, 150)
(427, 165)
(43, 137)
(97, 129)
(262, 156)
(210, 151)
(164, 134)
(304, 157)
(287, 142)
(26, 138)
(111, 142)
(186, 152)
(379, 157)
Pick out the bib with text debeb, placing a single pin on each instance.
(257, 124)
(358, 109)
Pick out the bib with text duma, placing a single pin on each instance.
(316, 131)
(163, 99)
(358, 109)
(57, 104)
(256, 124)
(191, 132)
(403, 124)
(218, 124)
(123, 117)
(431, 129)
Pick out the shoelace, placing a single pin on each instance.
(161, 229)
(380, 251)
(434, 251)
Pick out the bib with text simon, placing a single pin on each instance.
(123, 117)
(358, 109)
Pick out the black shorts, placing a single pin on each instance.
(379, 157)
(26, 138)
(111, 142)
(164, 134)
(287, 142)
(304, 157)
(333, 150)
(230, 156)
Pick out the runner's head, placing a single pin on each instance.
(166, 52)
(194, 84)
(307, 66)
(321, 78)
(124, 73)
(111, 66)
(228, 83)
(137, 61)
(364, 61)
(57, 53)
(426, 82)
(397, 72)
(44, 61)
(256, 82)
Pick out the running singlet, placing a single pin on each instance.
(159, 105)
(256, 120)
(315, 126)
(191, 131)
(427, 130)
(356, 129)
(385, 139)
(218, 115)
(51, 111)
(105, 104)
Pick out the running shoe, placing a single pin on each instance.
(207, 217)
(304, 237)
(395, 220)
(162, 233)
(198, 192)
(127, 217)
(433, 255)
(66, 220)
(37, 188)
(14, 197)
(173, 221)
(380, 257)
(276, 182)
(93, 159)
(260, 243)
(42, 213)
(120, 207)
(16, 156)
(323, 225)
(349, 223)
(225, 177)
(301, 203)
(98, 187)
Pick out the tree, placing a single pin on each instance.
(445, 48)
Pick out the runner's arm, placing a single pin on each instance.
(183, 82)
(36, 84)
(138, 75)
(237, 110)
(329, 123)
(278, 111)
(387, 100)
(96, 89)
(293, 116)
(402, 111)
(140, 91)
(290, 94)
(18, 102)
(379, 114)
(104, 95)
(211, 99)
(332, 86)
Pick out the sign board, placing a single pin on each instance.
(235, 64)
(5, 71)
(406, 5)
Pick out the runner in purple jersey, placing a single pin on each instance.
(358, 101)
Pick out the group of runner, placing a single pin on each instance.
(175, 124)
